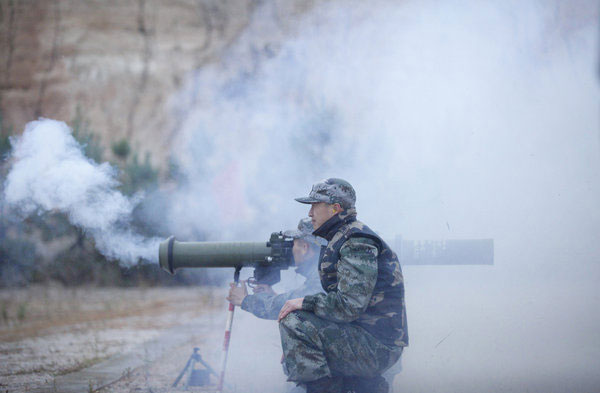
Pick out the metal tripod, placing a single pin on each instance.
(196, 377)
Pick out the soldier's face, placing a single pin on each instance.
(299, 250)
(321, 212)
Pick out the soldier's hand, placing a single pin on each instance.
(264, 288)
(237, 294)
(289, 306)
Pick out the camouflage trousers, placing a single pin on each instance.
(314, 348)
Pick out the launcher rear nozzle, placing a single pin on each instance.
(165, 255)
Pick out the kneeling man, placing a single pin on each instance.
(357, 329)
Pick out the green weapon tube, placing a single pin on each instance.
(173, 255)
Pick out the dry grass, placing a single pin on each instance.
(51, 331)
(38, 311)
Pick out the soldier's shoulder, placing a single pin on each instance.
(359, 246)
(358, 229)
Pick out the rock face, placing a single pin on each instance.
(117, 62)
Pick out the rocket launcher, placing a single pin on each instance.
(267, 258)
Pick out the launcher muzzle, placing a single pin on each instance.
(267, 258)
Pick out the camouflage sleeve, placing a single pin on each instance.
(267, 306)
(357, 275)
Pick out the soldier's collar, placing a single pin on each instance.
(331, 226)
(348, 215)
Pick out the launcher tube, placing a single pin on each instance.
(174, 255)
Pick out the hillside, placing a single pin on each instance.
(117, 62)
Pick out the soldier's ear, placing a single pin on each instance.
(304, 246)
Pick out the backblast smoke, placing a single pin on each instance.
(50, 173)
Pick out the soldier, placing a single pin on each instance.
(357, 330)
(265, 303)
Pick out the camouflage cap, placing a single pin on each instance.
(331, 190)
(304, 231)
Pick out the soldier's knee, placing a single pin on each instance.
(296, 323)
(290, 321)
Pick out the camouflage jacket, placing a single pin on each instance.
(267, 306)
(363, 280)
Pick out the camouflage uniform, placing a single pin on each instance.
(268, 305)
(358, 328)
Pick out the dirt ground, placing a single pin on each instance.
(472, 329)
(46, 332)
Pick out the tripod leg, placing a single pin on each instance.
(208, 367)
(189, 379)
(181, 373)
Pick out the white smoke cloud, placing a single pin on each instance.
(452, 120)
(50, 173)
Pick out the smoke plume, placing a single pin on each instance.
(451, 119)
(50, 173)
